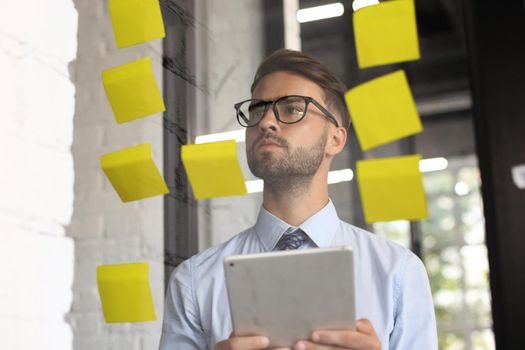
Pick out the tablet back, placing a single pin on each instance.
(287, 295)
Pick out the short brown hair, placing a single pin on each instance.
(306, 66)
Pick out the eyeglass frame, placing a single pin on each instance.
(307, 100)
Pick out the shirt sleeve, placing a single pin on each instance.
(181, 328)
(414, 322)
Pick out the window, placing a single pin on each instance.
(455, 255)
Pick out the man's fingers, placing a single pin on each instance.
(256, 342)
(345, 339)
(308, 345)
(365, 326)
(364, 337)
(243, 343)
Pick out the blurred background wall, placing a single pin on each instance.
(37, 100)
(229, 46)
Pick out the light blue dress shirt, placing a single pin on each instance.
(391, 285)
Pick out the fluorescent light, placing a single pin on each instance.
(254, 186)
(320, 12)
(358, 4)
(237, 135)
(432, 164)
(337, 176)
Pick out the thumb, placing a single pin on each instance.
(365, 326)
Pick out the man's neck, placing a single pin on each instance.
(295, 203)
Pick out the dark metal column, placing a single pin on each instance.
(273, 25)
(496, 42)
(351, 79)
(180, 208)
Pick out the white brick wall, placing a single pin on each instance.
(36, 177)
(104, 229)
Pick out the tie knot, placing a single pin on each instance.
(291, 239)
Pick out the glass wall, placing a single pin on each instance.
(451, 241)
(233, 36)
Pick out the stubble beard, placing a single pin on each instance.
(291, 170)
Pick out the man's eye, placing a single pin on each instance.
(256, 112)
(294, 110)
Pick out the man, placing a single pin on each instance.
(296, 123)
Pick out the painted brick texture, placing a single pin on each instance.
(36, 176)
(104, 229)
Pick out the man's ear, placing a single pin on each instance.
(336, 141)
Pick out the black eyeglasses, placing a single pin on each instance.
(288, 110)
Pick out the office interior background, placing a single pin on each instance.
(60, 217)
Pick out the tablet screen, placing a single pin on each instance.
(287, 295)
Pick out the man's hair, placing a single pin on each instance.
(304, 65)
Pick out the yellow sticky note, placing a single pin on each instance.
(386, 33)
(125, 292)
(133, 173)
(383, 110)
(213, 169)
(132, 91)
(392, 189)
(136, 21)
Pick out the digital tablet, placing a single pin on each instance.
(286, 295)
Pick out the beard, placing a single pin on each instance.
(297, 166)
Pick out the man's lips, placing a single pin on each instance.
(268, 143)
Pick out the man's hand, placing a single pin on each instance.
(244, 343)
(364, 337)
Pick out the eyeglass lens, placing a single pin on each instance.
(289, 110)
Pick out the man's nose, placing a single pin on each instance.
(269, 120)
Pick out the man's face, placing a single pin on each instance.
(278, 151)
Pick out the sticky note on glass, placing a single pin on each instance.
(136, 21)
(383, 110)
(133, 173)
(125, 293)
(392, 189)
(213, 169)
(386, 33)
(132, 91)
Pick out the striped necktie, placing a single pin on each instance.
(292, 239)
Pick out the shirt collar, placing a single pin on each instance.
(320, 227)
